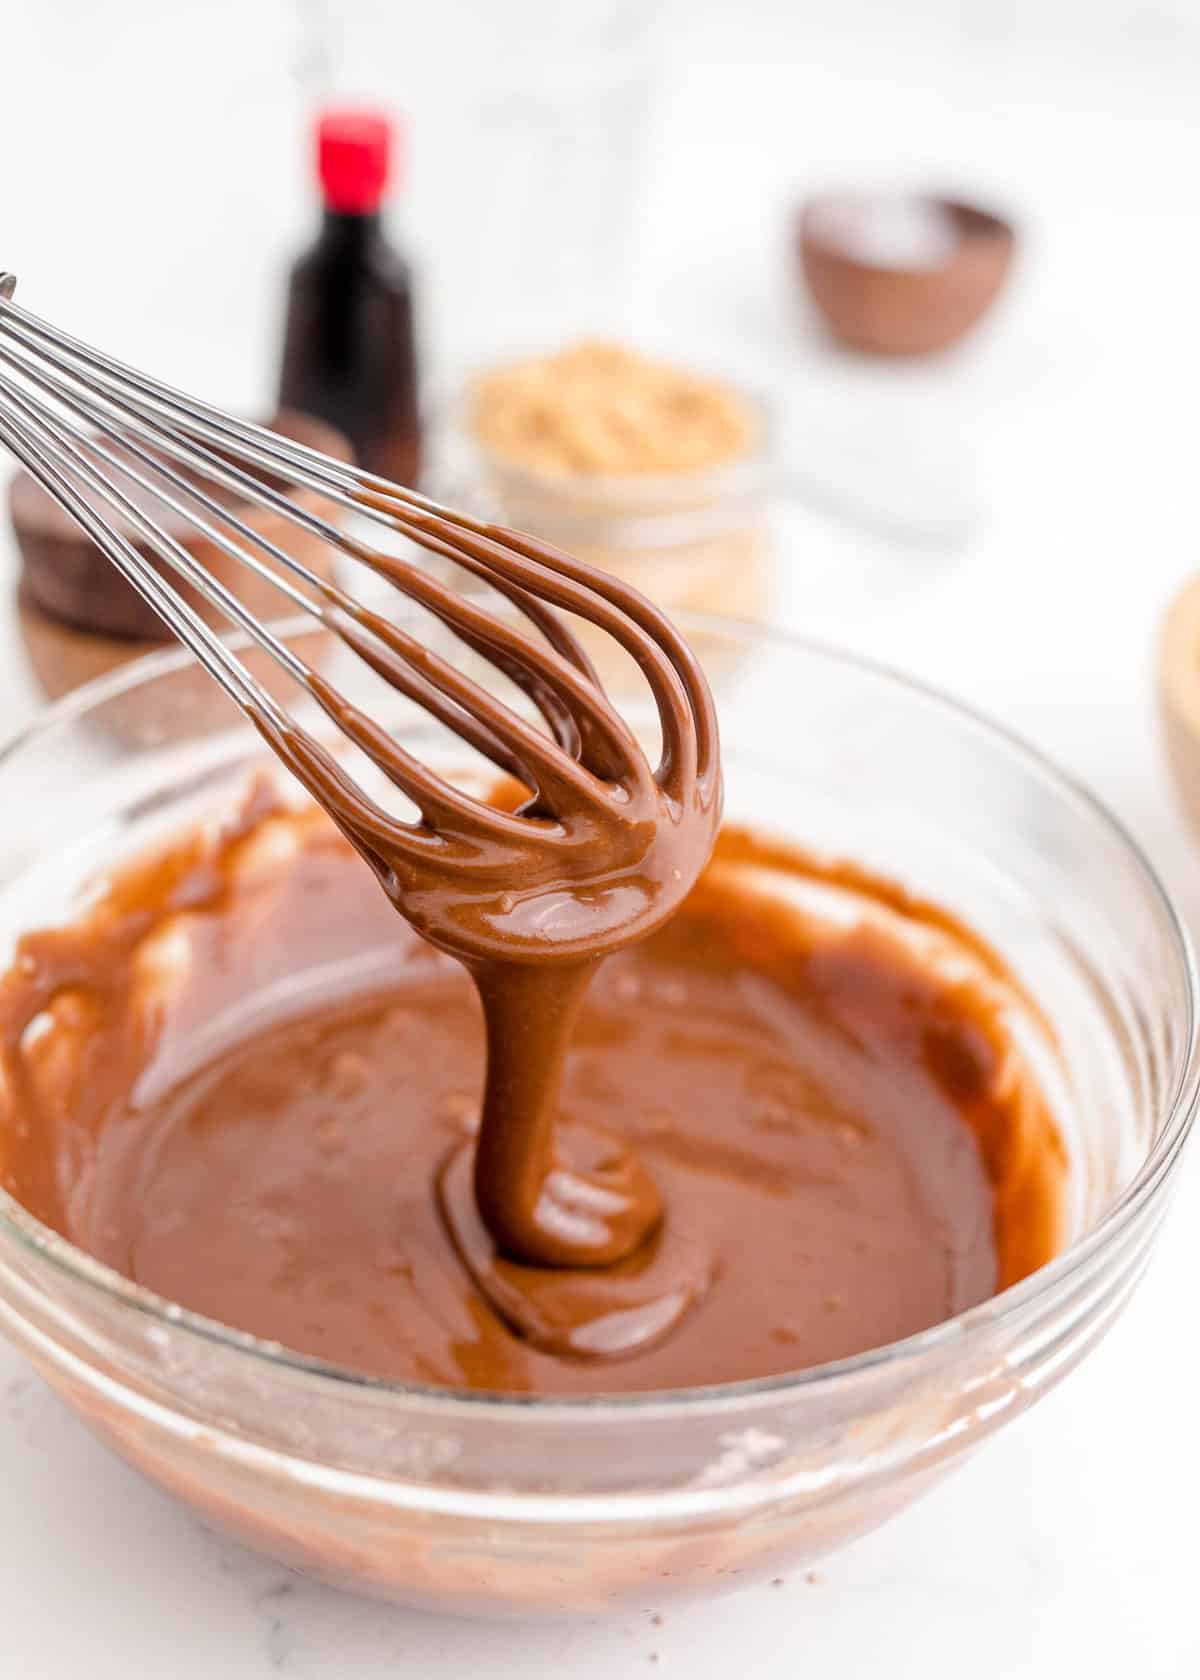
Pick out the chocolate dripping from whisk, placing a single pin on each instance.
(602, 852)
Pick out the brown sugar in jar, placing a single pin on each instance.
(647, 470)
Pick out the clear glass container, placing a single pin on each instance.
(528, 161)
(472, 1503)
(695, 541)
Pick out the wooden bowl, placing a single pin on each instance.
(1179, 695)
(78, 616)
(922, 295)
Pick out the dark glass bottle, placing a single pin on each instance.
(349, 350)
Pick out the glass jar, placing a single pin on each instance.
(693, 541)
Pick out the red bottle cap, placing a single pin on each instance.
(353, 155)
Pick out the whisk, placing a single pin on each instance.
(598, 853)
(111, 445)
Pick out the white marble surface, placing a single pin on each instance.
(149, 199)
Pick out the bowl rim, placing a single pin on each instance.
(1179, 1107)
(974, 221)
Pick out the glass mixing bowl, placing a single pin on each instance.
(494, 1505)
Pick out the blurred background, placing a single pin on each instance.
(1006, 517)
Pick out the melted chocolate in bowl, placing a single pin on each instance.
(239, 1083)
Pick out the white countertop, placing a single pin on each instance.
(1067, 1546)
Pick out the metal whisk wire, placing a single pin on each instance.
(64, 406)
